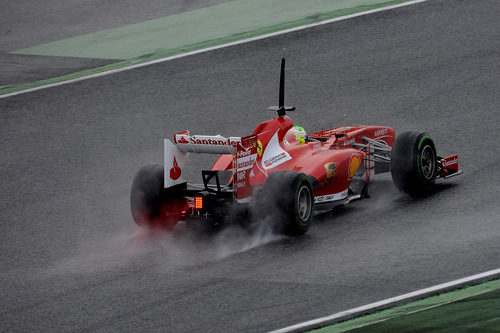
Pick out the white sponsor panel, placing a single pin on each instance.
(331, 197)
(274, 155)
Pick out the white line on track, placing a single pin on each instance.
(147, 63)
(368, 308)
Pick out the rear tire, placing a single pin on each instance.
(151, 204)
(414, 163)
(289, 198)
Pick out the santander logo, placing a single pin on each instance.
(175, 172)
(182, 140)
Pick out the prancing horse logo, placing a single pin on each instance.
(259, 147)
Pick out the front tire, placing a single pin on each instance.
(289, 199)
(414, 163)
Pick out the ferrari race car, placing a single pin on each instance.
(281, 171)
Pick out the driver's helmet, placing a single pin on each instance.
(296, 135)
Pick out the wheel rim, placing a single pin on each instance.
(427, 162)
(304, 203)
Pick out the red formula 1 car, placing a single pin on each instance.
(282, 171)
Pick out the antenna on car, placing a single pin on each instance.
(281, 108)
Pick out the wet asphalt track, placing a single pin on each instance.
(25, 23)
(72, 259)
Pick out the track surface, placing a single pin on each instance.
(26, 23)
(72, 259)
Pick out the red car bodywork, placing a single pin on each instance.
(328, 156)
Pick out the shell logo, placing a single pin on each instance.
(354, 165)
(331, 169)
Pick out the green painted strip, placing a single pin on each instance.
(474, 305)
(194, 27)
(200, 46)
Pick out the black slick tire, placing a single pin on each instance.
(288, 198)
(152, 205)
(414, 163)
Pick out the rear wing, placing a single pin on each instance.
(176, 153)
(243, 149)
